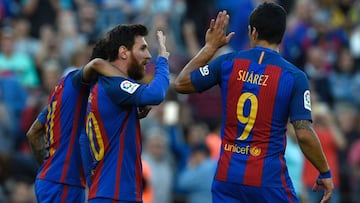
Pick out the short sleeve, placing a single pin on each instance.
(205, 77)
(76, 78)
(300, 104)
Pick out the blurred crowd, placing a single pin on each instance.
(41, 40)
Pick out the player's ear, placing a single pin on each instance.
(254, 33)
(122, 52)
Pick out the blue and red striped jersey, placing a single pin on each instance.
(64, 118)
(113, 129)
(260, 92)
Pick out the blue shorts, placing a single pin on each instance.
(51, 192)
(224, 192)
(106, 200)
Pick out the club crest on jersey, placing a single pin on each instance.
(307, 100)
(204, 70)
(128, 86)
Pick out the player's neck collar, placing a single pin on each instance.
(267, 49)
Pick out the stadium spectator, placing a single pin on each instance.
(40, 13)
(354, 163)
(16, 63)
(195, 180)
(344, 80)
(157, 155)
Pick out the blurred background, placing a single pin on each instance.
(41, 40)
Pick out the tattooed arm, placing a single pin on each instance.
(310, 146)
(35, 136)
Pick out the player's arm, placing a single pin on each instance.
(154, 93)
(215, 38)
(36, 138)
(310, 146)
(128, 92)
(98, 67)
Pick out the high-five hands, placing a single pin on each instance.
(216, 36)
(162, 48)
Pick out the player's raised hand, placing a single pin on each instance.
(327, 185)
(162, 48)
(216, 36)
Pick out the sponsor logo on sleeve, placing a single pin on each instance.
(204, 70)
(128, 86)
(307, 101)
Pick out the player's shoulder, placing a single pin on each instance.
(76, 78)
(230, 57)
(74, 75)
(290, 67)
(240, 54)
(119, 83)
(72, 72)
(103, 80)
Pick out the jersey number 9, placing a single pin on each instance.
(248, 120)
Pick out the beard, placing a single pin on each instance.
(136, 70)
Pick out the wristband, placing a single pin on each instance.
(325, 175)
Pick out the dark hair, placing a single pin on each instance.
(123, 35)
(99, 50)
(269, 19)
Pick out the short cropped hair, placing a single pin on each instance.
(269, 19)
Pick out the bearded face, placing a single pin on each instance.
(136, 70)
(138, 58)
